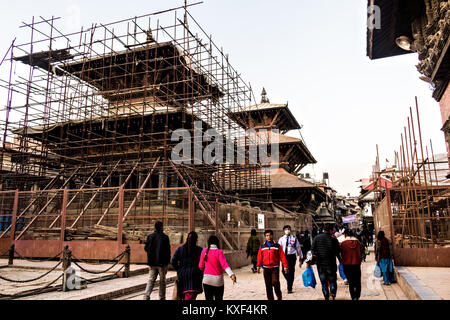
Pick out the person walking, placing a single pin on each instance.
(384, 255)
(352, 252)
(305, 243)
(185, 261)
(157, 247)
(340, 239)
(213, 262)
(359, 234)
(253, 244)
(270, 255)
(327, 249)
(291, 248)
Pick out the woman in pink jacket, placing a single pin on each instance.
(213, 261)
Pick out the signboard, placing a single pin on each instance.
(260, 221)
(349, 219)
(368, 210)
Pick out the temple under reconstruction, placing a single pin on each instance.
(87, 137)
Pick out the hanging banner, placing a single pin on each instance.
(260, 221)
(349, 219)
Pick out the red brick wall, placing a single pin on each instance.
(445, 110)
(445, 105)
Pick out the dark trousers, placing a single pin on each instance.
(353, 274)
(291, 259)
(272, 280)
(213, 293)
(254, 264)
(327, 274)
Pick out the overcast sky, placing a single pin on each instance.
(311, 54)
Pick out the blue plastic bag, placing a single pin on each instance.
(377, 272)
(309, 280)
(341, 272)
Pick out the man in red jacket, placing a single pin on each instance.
(352, 253)
(270, 255)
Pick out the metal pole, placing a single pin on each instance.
(120, 219)
(191, 222)
(63, 217)
(14, 216)
(217, 217)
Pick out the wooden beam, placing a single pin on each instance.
(73, 198)
(117, 194)
(202, 208)
(140, 190)
(94, 196)
(45, 206)
(49, 185)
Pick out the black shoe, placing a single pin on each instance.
(290, 291)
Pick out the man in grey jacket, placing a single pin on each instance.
(157, 247)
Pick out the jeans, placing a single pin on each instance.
(387, 269)
(388, 277)
(153, 274)
(272, 280)
(327, 274)
(213, 293)
(291, 259)
(353, 274)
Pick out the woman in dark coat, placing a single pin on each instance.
(253, 244)
(185, 262)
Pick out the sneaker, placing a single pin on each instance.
(346, 282)
(146, 297)
(253, 270)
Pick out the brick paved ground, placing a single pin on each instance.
(250, 286)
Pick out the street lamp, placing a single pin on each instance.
(405, 43)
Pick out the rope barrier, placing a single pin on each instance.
(95, 263)
(95, 272)
(112, 276)
(33, 260)
(31, 280)
(31, 292)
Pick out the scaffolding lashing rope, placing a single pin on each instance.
(31, 280)
(34, 260)
(98, 272)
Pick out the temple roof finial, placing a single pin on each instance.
(264, 98)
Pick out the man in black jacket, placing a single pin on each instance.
(327, 249)
(157, 247)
